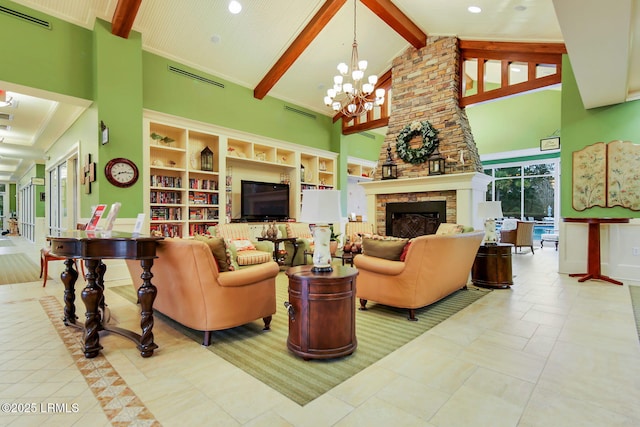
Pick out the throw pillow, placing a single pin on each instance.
(387, 249)
(218, 249)
(243, 245)
(403, 255)
(445, 228)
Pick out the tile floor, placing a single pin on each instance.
(548, 352)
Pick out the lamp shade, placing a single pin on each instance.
(490, 209)
(320, 207)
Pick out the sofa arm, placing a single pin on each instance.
(379, 265)
(249, 275)
(264, 246)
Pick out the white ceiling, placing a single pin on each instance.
(597, 34)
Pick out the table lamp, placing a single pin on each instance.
(490, 211)
(321, 207)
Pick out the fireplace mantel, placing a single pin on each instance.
(470, 190)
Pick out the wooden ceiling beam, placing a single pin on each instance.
(397, 20)
(308, 34)
(123, 17)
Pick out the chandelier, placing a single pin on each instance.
(349, 94)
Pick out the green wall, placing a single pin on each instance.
(515, 123)
(118, 95)
(56, 59)
(581, 128)
(232, 107)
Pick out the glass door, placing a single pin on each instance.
(63, 196)
(4, 207)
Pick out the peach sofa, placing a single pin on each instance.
(435, 266)
(194, 293)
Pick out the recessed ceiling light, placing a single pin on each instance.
(235, 7)
(215, 39)
(474, 9)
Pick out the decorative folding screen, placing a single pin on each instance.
(607, 175)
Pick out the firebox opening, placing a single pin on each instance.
(415, 219)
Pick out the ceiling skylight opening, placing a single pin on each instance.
(235, 7)
(474, 9)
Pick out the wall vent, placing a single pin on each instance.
(6, 116)
(368, 135)
(195, 76)
(304, 113)
(32, 19)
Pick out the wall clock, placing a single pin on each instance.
(121, 172)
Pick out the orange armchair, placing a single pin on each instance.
(194, 293)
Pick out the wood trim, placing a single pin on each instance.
(124, 16)
(397, 20)
(511, 90)
(532, 54)
(301, 42)
(368, 125)
(529, 48)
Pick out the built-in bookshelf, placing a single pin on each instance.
(184, 199)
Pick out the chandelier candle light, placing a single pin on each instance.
(349, 95)
(321, 207)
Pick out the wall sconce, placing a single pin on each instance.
(389, 167)
(436, 163)
(206, 159)
(104, 130)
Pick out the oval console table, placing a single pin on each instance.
(593, 248)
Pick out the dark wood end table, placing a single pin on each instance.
(93, 247)
(276, 247)
(322, 315)
(492, 266)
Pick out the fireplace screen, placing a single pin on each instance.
(410, 220)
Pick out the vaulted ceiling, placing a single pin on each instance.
(289, 49)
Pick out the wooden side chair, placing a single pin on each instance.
(46, 256)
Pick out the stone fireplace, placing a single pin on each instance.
(426, 86)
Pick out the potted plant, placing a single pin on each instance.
(163, 139)
(333, 241)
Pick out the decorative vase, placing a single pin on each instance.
(264, 231)
(272, 232)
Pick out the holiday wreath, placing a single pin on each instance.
(429, 142)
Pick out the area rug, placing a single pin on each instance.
(380, 330)
(635, 303)
(17, 268)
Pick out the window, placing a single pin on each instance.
(527, 190)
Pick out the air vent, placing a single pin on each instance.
(32, 19)
(303, 113)
(368, 135)
(195, 76)
(5, 116)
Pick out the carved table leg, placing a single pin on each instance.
(146, 295)
(69, 277)
(92, 296)
(101, 270)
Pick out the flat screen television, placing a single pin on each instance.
(264, 201)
